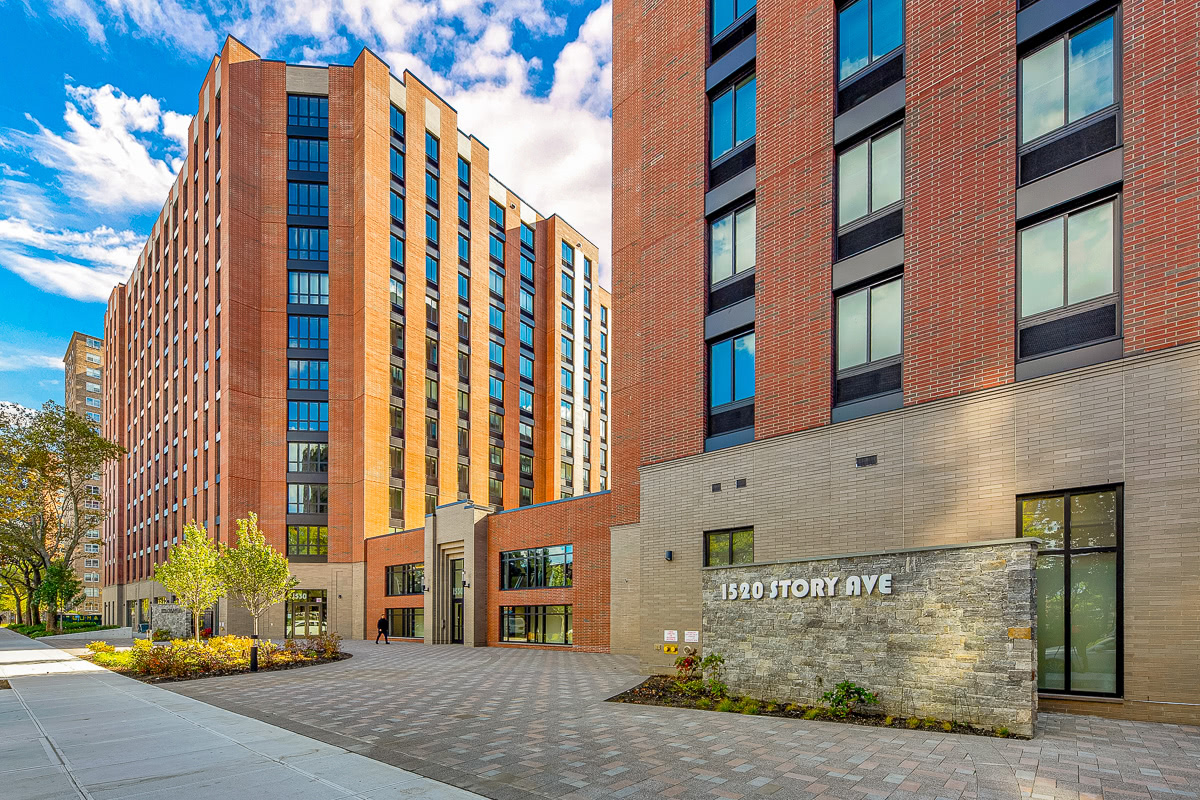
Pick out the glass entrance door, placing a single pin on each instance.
(306, 614)
(456, 600)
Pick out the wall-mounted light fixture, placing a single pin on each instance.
(668, 555)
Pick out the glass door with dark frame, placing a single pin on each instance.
(456, 600)
(306, 614)
(1080, 636)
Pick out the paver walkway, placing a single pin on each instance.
(513, 723)
(69, 729)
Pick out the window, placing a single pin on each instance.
(496, 248)
(603, 342)
(309, 199)
(406, 623)
(431, 228)
(431, 188)
(396, 462)
(306, 374)
(396, 502)
(430, 503)
(870, 175)
(308, 244)
(496, 423)
(431, 432)
(568, 348)
(568, 254)
(464, 170)
(308, 288)
(733, 117)
(587, 268)
(496, 318)
(431, 469)
(308, 457)
(869, 324)
(464, 327)
(495, 352)
(91, 562)
(495, 389)
(397, 207)
(527, 301)
(566, 443)
(724, 12)
(307, 540)
(526, 465)
(464, 287)
(496, 457)
(397, 421)
(431, 352)
(397, 249)
(587, 358)
(525, 401)
(868, 30)
(495, 492)
(91, 415)
(527, 235)
(397, 120)
(308, 498)
(587, 389)
(604, 315)
(568, 316)
(568, 284)
(402, 579)
(496, 214)
(310, 332)
(1068, 79)
(526, 432)
(731, 370)
(396, 293)
(526, 267)
(397, 165)
(587, 298)
(722, 548)
(308, 155)
(91, 547)
(431, 146)
(496, 283)
(464, 477)
(536, 568)
(308, 415)
(464, 367)
(431, 311)
(731, 246)
(94, 402)
(96, 343)
(526, 334)
(1068, 259)
(525, 496)
(310, 111)
(1078, 588)
(568, 380)
(431, 269)
(536, 624)
(397, 334)
(566, 412)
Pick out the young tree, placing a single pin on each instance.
(59, 592)
(191, 573)
(254, 572)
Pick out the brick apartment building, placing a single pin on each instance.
(902, 274)
(342, 321)
(83, 381)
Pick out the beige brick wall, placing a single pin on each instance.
(949, 472)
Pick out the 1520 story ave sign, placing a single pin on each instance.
(853, 586)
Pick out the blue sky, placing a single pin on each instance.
(101, 91)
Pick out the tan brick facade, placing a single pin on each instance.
(83, 387)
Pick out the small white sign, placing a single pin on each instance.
(670, 636)
(691, 636)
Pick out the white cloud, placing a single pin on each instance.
(15, 362)
(84, 265)
(101, 245)
(166, 20)
(89, 282)
(104, 157)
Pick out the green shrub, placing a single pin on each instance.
(101, 647)
(1002, 732)
(325, 645)
(913, 722)
(704, 702)
(812, 713)
(947, 726)
(791, 708)
(770, 708)
(727, 705)
(845, 696)
(161, 635)
(750, 706)
(692, 688)
(888, 720)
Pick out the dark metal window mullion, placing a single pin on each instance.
(1067, 638)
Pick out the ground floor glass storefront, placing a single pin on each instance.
(407, 623)
(536, 624)
(1079, 633)
(307, 613)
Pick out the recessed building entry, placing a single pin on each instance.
(456, 600)
(306, 614)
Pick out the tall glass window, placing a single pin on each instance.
(431, 228)
(870, 175)
(308, 457)
(308, 288)
(397, 207)
(397, 164)
(308, 415)
(308, 332)
(396, 119)
(1078, 588)
(536, 624)
(868, 30)
(496, 214)
(402, 579)
(308, 155)
(308, 244)
(309, 111)
(725, 12)
(537, 568)
(308, 199)
(307, 540)
(308, 374)
(464, 170)
(731, 244)
(526, 267)
(869, 324)
(406, 623)
(731, 370)
(733, 117)
(1068, 79)
(432, 146)
(1068, 259)
(308, 498)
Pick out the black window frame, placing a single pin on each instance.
(707, 545)
(305, 119)
(870, 364)
(404, 580)
(872, 215)
(534, 617)
(731, 86)
(872, 62)
(298, 545)
(732, 214)
(402, 622)
(310, 457)
(735, 403)
(317, 495)
(537, 567)
(1066, 551)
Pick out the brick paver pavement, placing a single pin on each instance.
(514, 723)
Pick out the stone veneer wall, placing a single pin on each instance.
(954, 639)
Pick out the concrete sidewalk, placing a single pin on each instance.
(70, 729)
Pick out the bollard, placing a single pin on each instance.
(254, 652)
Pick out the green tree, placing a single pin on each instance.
(254, 572)
(47, 460)
(191, 572)
(60, 590)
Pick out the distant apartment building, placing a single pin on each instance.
(342, 321)
(83, 382)
(908, 274)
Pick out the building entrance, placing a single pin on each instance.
(306, 615)
(456, 600)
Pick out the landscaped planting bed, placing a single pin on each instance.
(185, 659)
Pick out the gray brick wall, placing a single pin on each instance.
(949, 473)
(952, 639)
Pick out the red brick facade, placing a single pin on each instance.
(406, 547)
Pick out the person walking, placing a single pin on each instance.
(382, 625)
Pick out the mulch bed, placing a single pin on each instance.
(219, 674)
(661, 690)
